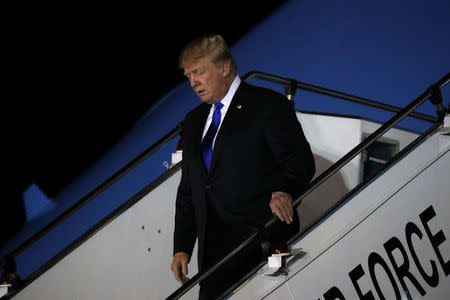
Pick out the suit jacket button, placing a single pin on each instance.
(207, 187)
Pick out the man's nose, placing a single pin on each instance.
(193, 81)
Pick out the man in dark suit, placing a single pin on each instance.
(244, 158)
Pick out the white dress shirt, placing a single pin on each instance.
(226, 101)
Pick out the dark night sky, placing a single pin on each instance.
(79, 76)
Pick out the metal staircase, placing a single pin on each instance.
(345, 249)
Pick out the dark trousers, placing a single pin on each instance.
(218, 244)
(223, 238)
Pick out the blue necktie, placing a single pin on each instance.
(210, 134)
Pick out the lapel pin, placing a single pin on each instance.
(239, 106)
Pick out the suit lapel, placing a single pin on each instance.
(199, 125)
(230, 123)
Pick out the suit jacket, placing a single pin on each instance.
(259, 149)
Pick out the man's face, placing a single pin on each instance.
(207, 79)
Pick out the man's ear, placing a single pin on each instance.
(226, 69)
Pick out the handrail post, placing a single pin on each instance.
(290, 89)
(436, 100)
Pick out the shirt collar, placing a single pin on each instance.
(231, 91)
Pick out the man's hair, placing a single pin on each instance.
(212, 45)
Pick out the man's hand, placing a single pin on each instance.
(180, 267)
(281, 206)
